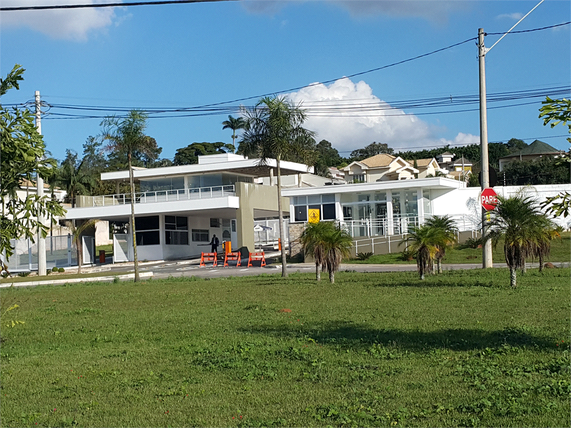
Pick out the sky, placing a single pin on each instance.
(404, 73)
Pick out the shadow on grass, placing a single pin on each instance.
(351, 336)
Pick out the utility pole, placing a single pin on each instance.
(40, 192)
(487, 261)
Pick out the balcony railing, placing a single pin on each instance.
(164, 196)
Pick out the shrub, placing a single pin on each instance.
(472, 243)
(407, 255)
(364, 256)
(55, 269)
(60, 270)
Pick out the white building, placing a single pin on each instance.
(178, 209)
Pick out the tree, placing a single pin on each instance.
(275, 130)
(337, 244)
(519, 222)
(127, 135)
(327, 156)
(515, 145)
(447, 236)
(312, 242)
(424, 241)
(234, 124)
(371, 150)
(146, 156)
(76, 232)
(72, 176)
(556, 112)
(22, 153)
(189, 154)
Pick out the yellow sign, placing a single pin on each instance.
(313, 214)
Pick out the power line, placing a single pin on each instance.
(99, 5)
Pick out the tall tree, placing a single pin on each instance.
(21, 157)
(371, 150)
(127, 135)
(519, 222)
(189, 155)
(72, 175)
(275, 131)
(234, 123)
(327, 156)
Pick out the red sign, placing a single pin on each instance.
(488, 199)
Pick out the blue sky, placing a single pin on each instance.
(192, 55)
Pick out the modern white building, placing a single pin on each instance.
(178, 209)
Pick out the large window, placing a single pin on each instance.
(176, 230)
(200, 235)
(324, 203)
(158, 184)
(147, 230)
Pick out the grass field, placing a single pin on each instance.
(459, 349)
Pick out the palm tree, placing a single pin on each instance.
(424, 241)
(76, 232)
(337, 244)
(448, 236)
(274, 131)
(72, 177)
(234, 124)
(312, 242)
(127, 135)
(519, 221)
(546, 233)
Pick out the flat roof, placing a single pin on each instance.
(425, 183)
(214, 163)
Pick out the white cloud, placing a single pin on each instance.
(73, 24)
(516, 16)
(364, 118)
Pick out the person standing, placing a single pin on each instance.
(214, 243)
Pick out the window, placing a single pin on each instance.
(214, 222)
(147, 230)
(324, 203)
(200, 235)
(359, 178)
(176, 230)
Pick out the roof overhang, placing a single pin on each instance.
(250, 167)
(436, 183)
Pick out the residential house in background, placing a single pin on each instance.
(382, 167)
(535, 150)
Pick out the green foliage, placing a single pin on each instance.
(23, 152)
(327, 156)
(555, 112)
(189, 154)
(546, 170)
(328, 244)
(521, 225)
(234, 124)
(370, 150)
(364, 256)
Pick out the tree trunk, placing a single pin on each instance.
(332, 276)
(439, 264)
(541, 263)
(132, 184)
(513, 273)
(281, 220)
(317, 272)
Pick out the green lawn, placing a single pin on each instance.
(560, 252)
(459, 349)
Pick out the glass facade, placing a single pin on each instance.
(324, 203)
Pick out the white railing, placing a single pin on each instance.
(165, 195)
(401, 225)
